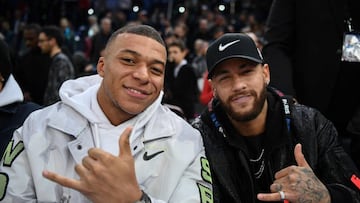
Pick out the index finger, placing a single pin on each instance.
(283, 172)
(96, 153)
(62, 180)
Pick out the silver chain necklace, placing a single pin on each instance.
(262, 166)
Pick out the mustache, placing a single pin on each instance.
(242, 93)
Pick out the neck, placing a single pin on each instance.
(114, 114)
(254, 127)
(55, 51)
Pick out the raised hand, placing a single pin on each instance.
(297, 183)
(103, 176)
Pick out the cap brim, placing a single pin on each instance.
(229, 57)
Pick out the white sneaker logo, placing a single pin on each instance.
(222, 48)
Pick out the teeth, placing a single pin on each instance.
(135, 91)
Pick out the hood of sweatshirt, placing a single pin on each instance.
(11, 92)
(79, 93)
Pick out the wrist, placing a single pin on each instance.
(144, 198)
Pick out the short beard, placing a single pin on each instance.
(252, 114)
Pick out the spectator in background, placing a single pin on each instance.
(82, 65)
(304, 46)
(200, 68)
(199, 61)
(202, 31)
(93, 26)
(206, 93)
(180, 81)
(69, 36)
(99, 40)
(32, 69)
(181, 31)
(61, 68)
(258, 42)
(13, 109)
(6, 31)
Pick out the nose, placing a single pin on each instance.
(239, 83)
(141, 73)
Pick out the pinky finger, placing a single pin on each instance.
(269, 197)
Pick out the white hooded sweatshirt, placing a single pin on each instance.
(11, 92)
(58, 137)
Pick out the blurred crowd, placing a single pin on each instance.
(87, 24)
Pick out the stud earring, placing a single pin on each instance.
(214, 93)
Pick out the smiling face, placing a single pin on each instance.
(240, 86)
(133, 76)
(176, 55)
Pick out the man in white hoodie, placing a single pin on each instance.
(159, 159)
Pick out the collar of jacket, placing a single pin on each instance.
(10, 109)
(68, 121)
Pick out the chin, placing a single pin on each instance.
(134, 111)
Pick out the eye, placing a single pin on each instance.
(156, 70)
(128, 61)
(248, 71)
(223, 77)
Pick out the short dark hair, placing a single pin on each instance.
(52, 31)
(34, 27)
(143, 30)
(178, 43)
(5, 60)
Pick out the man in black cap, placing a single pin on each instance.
(13, 111)
(261, 145)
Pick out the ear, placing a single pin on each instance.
(266, 73)
(213, 88)
(100, 67)
(52, 41)
(185, 52)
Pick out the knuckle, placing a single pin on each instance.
(292, 177)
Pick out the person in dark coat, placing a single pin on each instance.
(180, 80)
(304, 47)
(32, 68)
(13, 110)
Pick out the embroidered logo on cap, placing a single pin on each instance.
(223, 47)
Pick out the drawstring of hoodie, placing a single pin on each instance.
(95, 135)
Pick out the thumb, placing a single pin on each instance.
(124, 144)
(299, 156)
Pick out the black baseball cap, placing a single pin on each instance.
(231, 45)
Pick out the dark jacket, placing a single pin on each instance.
(61, 69)
(304, 42)
(12, 117)
(232, 178)
(303, 49)
(182, 90)
(32, 73)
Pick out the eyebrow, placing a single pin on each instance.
(138, 54)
